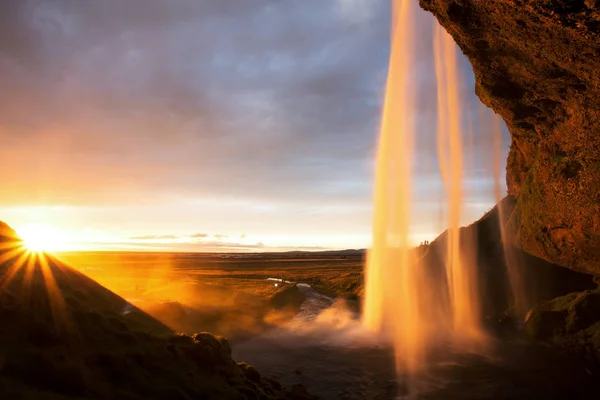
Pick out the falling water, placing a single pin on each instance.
(461, 275)
(418, 309)
(520, 303)
(391, 271)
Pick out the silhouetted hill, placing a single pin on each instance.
(346, 252)
(64, 336)
(534, 280)
(7, 234)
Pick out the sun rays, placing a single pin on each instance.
(43, 237)
(24, 271)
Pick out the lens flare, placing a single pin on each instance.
(24, 271)
(42, 238)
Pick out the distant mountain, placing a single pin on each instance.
(347, 252)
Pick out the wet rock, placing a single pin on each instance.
(574, 317)
(182, 339)
(250, 372)
(537, 64)
(209, 350)
(299, 390)
(249, 393)
(273, 383)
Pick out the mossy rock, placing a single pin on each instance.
(575, 316)
(250, 372)
(546, 324)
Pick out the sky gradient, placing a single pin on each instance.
(202, 125)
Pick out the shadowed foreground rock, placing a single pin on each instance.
(572, 321)
(64, 336)
(537, 64)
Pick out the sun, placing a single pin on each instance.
(42, 238)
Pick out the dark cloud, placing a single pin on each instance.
(118, 97)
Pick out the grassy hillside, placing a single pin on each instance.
(64, 336)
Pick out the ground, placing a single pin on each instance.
(91, 342)
(65, 336)
(228, 295)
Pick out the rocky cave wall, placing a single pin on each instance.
(537, 64)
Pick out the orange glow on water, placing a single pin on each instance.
(461, 273)
(391, 274)
(418, 310)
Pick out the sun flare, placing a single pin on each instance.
(42, 238)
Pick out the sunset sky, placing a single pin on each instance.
(205, 125)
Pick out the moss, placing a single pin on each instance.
(571, 318)
(531, 220)
(527, 205)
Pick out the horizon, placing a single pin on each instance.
(247, 128)
(266, 252)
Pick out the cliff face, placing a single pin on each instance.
(537, 64)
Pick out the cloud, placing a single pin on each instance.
(120, 99)
(218, 237)
(206, 246)
(154, 237)
(356, 11)
(232, 112)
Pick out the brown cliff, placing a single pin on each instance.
(537, 64)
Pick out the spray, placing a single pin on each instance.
(418, 310)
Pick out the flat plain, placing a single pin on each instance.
(233, 295)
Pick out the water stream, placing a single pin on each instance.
(326, 348)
